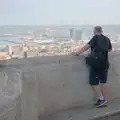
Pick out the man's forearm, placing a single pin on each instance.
(84, 48)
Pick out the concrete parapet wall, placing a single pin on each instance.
(10, 92)
(50, 84)
(58, 83)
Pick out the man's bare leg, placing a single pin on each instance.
(97, 91)
(104, 91)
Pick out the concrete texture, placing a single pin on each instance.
(54, 84)
(88, 113)
(10, 91)
(64, 83)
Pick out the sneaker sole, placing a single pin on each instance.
(102, 105)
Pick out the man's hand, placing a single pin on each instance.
(79, 50)
(75, 53)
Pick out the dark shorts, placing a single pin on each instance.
(96, 77)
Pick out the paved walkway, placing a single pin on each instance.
(86, 113)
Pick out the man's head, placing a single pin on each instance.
(98, 30)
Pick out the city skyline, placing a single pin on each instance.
(59, 12)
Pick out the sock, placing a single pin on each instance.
(101, 98)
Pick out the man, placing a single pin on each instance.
(97, 76)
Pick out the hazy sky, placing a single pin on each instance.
(58, 12)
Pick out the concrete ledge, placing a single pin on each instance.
(44, 60)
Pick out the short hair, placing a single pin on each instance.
(98, 29)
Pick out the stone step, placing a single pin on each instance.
(111, 112)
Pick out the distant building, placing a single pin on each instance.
(84, 38)
(76, 34)
(59, 34)
(71, 33)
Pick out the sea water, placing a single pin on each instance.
(8, 41)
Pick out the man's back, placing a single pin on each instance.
(102, 41)
(100, 45)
